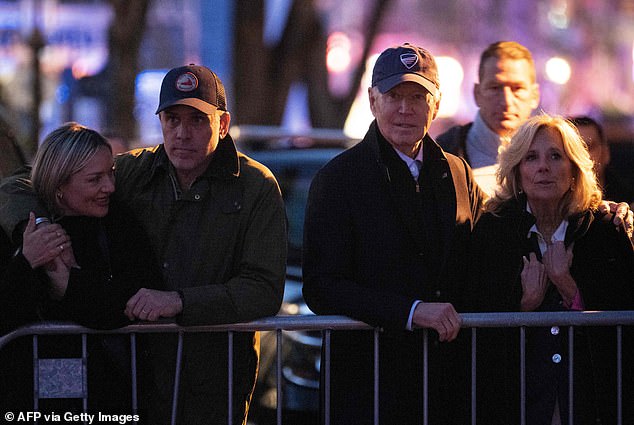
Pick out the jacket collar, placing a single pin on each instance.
(378, 144)
(578, 224)
(225, 163)
(437, 178)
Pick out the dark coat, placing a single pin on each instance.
(115, 261)
(222, 245)
(617, 188)
(373, 246)
(603, 266)
(454, 140)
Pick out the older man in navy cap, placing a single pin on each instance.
(386, 234)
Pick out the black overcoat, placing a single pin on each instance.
(116, 261)
(374, 245)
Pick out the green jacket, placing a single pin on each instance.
(222, 244)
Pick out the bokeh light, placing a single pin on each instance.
(338, 54)
(451, 75)
(558, 70)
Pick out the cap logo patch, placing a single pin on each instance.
(409, 60)
(186, 82)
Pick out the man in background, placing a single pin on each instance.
(507, 94)
(611, 183)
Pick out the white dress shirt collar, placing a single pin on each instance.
(558, 235)
(413, 164)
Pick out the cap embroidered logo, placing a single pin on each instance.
(409, 60)
(186, 82)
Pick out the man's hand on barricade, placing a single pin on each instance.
(439, 316)
(150, 304)
(58, 274)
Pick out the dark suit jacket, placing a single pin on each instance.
(373, 246)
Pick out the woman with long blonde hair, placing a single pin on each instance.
(541, 246)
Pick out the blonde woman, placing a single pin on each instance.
(84, 266)
(541, 246)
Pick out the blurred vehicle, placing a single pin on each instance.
(294, 160)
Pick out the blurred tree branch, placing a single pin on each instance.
(125, 35)
(263, 74)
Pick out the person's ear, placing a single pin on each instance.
(225, 121)
(372, 100)
(437, 104)
(535, 96)
(476, 93)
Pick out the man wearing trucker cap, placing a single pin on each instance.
(386, 238)
(216, 220)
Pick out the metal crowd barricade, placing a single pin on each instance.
(328, 324)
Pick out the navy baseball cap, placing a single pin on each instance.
(405, 63)
(192, 85)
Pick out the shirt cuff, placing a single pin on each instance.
(411, 315)
(576, 304)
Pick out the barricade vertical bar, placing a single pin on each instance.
(278, 376)
(619, 374)
(376, 376)
(230, 379)
(36, 376)
(133, 372)
(474, 356)
(571, 375)
(425, 376)
(327, 377)
(177, 377)
(84, 372)
(522, 375)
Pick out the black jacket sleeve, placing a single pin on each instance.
(97, 293)
(21, 288)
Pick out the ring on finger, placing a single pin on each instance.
(61, 247)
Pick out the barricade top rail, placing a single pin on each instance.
(316, 322)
